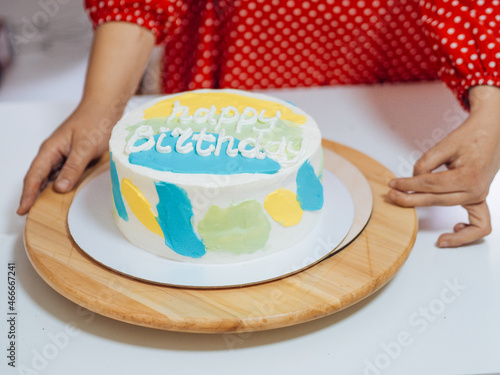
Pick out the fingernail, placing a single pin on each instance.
(443, 244)
(21, 210)
(63, 184)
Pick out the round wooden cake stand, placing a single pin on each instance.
(340, 281)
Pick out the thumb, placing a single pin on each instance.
(74, 166)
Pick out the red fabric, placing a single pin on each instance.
(257, 44)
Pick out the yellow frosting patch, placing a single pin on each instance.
(140, 206)
(220, 100)
(283, 207)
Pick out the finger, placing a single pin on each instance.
(42, 166)
(78, 159)
(427, 199)
(438, 182)
(433, 158)
(479, 226)
(458, 227)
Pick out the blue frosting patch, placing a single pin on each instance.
(191, 162)
(309, 188)
(174, 216)
(117, 194)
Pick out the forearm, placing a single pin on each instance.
(117, 61)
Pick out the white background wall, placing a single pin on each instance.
(51, 39)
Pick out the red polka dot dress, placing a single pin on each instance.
(257, 44)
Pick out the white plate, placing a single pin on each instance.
(91, 225)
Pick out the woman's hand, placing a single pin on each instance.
(472, 155)
(82, 138)
(119, 55)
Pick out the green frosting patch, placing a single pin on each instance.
(239, 229)
(320, 168)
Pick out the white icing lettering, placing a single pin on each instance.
(176, 132)
(225, 118)
(201, 115)
(230, 151)
(291, 150)
(244, 120)
(180, 111)
(142, 132)
(270, 121)
(185, 118)
(284, 162)
(254, 152)
(280, 149)
(211, 114)
(159, 147)
(177, 110)
(228, 115)
(199, 138)
(182, 148)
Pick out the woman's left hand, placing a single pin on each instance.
(472, 155)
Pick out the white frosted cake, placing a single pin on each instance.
(216, 176)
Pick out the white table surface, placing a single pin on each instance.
(443, 305)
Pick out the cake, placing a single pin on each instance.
(216, 176)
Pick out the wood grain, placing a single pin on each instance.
(347, 277)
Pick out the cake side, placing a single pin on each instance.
(216, 176)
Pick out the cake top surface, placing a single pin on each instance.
(226, 132)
